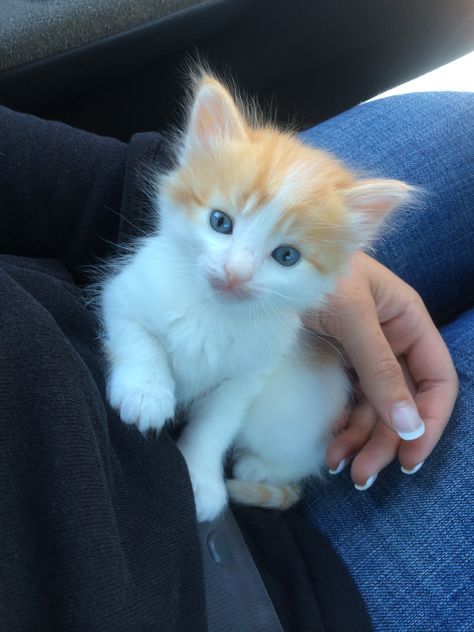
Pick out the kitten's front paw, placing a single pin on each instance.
(210, 494)
(147, 405)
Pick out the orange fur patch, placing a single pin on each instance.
(266, 165)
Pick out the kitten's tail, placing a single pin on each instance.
(263, 494)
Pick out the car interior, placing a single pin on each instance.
(118, 67)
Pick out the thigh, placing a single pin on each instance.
(409, 540)
(89, 510)
(427, 140)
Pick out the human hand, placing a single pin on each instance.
(407, 384)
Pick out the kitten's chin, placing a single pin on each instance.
(229, 293)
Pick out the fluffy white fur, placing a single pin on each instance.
(239, 363)
(171, 339)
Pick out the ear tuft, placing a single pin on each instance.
(371, 201)
(214, 117)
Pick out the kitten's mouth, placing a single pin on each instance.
(230, 290)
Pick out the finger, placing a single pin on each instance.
(413, 455)
(380, 374)
(436, 409)
(377, 453)
(361, 422)
(419, 449)
(431, 366)
(341, 422)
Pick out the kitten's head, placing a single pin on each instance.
(258, 215)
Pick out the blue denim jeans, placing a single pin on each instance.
(409, 540)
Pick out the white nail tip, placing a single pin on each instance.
(370, 481)
(413, 470)
(414, 434)
(340, 467)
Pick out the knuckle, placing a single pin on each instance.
(388, 370)
(415, 304)
(412, 294)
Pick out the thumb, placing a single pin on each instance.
(381, 376)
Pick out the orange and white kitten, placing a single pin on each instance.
(254, 229)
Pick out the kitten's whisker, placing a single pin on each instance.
(326, 340)
(128, 248)
(290, 298)
(189, 245)
(279, 316)
(141, 230)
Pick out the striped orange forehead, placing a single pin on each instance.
(273, 168)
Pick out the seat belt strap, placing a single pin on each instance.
(236, 597)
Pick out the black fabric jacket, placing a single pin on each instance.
(97, 523)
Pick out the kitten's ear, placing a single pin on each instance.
(370, 201)
(214, 117)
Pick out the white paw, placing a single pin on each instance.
(147, 405)
(210, 494)
(251, 468)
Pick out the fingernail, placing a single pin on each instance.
(370, 481)
(414, 470)
(340, 467)
(406, 421)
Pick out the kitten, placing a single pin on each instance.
(254, 229)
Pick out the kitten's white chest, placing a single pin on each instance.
(205, 347)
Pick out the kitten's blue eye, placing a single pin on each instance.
(221, 222)
(286, 255)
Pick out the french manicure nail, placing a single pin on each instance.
(340, 467)
(406, 421)
(367, 483)
(414, 470)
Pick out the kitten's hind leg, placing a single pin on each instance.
(286, 431)
(257, 482)
(214, 421)
(255, 469)
(250, 467)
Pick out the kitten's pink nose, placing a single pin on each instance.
(239, 267)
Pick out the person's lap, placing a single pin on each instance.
(408, 541)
